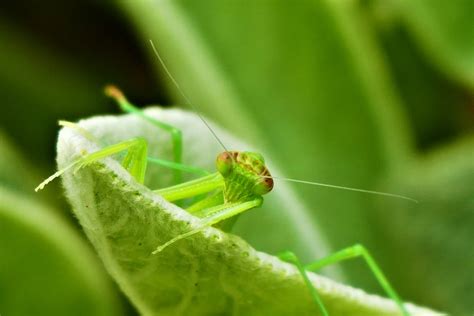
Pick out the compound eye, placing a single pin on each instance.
(264, 186)
(224, 163)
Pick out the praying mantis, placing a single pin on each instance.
(238, 185)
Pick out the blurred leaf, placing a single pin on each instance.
(438, 240)
(38, 87)
(303, 80)
(18, 175)
(208, 273)
(445, 31)
(438, 108)
(15, 172)
(45, 269)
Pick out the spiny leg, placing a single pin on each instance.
(192, 188)
(215, 215)
(195, 189)
(157, 161)
(134, 161)
(290, 257)
(360, 251)
(178, 166)
(176, 134)
(201, 208)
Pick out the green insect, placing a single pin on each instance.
(237, 186)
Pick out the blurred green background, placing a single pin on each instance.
(371, 94)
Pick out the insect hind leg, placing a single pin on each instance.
(290, 257)
(175, 133)
(358, 251)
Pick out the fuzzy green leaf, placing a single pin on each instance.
(207, 274)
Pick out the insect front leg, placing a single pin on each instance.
(355, 252)
(199, 208)
(202, 208)
(175, 133)
(192, 188)
(215, 215)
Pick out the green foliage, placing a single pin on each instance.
(444, 30)
(373, 94)
(45, 267)
(440, 230)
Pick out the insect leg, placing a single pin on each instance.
(176, 134)
(134, 162)
(216, 215)
(360, 251)
(192, 188)
(201, 209)
(290, 257)
(198, 208)
(178, 166)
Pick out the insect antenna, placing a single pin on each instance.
(339, 187)
(188, 101)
